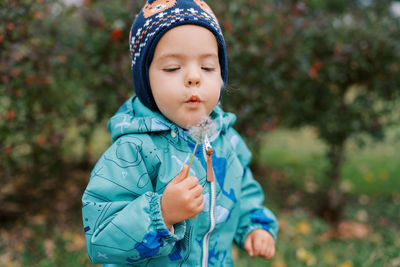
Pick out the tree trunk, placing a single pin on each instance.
(334, 203)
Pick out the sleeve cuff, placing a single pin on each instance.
(178, 230)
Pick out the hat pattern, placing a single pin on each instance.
(203, 5)
(156, 6)
(166, 16)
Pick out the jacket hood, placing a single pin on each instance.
(133, 117)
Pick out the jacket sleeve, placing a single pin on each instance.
(121, 212)
(253, 215)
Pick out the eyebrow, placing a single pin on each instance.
(182, 56)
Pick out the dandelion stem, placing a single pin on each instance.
(191, 158)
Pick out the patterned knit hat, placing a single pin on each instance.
(155, 19)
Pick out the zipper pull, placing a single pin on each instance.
(209, 152)
(210, 171)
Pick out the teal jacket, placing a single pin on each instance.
(121, 209)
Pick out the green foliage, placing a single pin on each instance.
(61, 66)
(294, 62)
(337, 6)
(330, 64)
(351, 81)
(302, 66)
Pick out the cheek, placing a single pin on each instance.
(213, 100)
(218, 88)
(163, 100)
(156, 84)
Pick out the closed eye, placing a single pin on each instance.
(171, 69)
(208, 69)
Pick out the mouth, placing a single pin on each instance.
(193, 100)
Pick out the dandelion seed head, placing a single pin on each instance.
(206, 126)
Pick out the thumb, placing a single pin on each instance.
(182, 175)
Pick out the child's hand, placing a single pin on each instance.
(182, 199)
(260, 243)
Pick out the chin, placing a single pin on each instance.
(190, 122)
(191, 119)
(188, 125)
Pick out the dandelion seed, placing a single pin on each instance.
(206, 127)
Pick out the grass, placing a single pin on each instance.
(33, 244)
(300, 156)
(301, 241)
(296, 160)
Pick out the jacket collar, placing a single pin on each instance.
(133, 118)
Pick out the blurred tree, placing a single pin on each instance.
(336, 6)
(60, 67)
(34, 105)
(346, 83)
(99, 59)
(331, 67)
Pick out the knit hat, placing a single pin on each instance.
(155, 19)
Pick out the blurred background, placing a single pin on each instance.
(314, 83)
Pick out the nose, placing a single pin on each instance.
(192, 78)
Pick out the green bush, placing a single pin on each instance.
(61, 67)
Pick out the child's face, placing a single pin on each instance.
(185, 75)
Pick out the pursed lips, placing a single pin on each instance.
(193, 100)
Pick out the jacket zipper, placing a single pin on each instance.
(206, 239)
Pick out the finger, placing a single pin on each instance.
(197, 191)
(270, 247)
(248, 245)
(202, 206)
(266, 255)
(264, 250)
(199, 208)
(182, 174)
(270, 252)
(190, 182)
(197, 202)
(257, 246)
